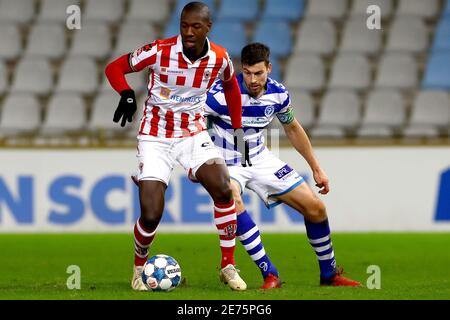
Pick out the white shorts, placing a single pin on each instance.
(268, 176)
(157, 156)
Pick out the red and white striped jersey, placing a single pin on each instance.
(177, 87)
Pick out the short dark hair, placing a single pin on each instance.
(254, 53)
(197, 6)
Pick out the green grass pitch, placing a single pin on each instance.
(413, 266)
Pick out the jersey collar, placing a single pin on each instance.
(179, 48)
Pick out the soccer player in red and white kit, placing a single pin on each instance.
(172, 129)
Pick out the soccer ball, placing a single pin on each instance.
(161, 273)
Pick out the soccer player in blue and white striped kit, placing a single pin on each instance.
(272, 179)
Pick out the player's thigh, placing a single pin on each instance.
(196, 151)
(272, 177)
(155, 160)
(200, 157)
(239, 177)
(303, 199)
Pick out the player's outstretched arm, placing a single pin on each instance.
(115, 72)
(300, 141)
(234, 102)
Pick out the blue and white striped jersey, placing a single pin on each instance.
(256, 116)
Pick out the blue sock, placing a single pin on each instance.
(320, 240)
(248, 233)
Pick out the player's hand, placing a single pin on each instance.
(127, 107)
(242, 147)
(321, 179)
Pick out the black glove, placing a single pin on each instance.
(242, 147)
(127, 107)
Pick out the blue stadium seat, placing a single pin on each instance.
(276, 71)
(230, 35)
(446, 12)
(437, 74)
(181, 3)
(238, 10)
(276, 35)
(172, 26)
(290, 10)
(441, 40)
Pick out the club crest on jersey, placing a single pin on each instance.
(269, 111)
(147, 47)
(165, 92)
(207, 75)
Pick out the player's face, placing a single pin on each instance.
(194, 29)
(255, 77)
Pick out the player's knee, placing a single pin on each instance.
(223, 194)
(317, 211)
(150, 215)
(150, 221)
(236, 195)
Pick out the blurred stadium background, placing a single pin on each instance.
(348, 83)
(376, 104)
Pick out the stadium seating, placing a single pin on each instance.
(384, 115)
(10, 40)
(154, 11)
(424, 9)
(65, 113)
(340, 112)
(3, 78)
(275, 34)
(446, 11)
(357, 38)
(334, 9)
(437, 73)
(46, 40)
(430, 114)
(441, 40)
(109, 11)
(397, 71)
(276, 70)
(350, 71)
(229, 34)
(304, 110)
(133, 35)
(408, 34)
(305, 72)
(16, 11)
(93, 40)
(321, 50)
(179, 5)
(55, 10)
(102, 113)
(359, 7)
(316, 35)
(13, 121)
(40, 81)
(238, 10)
(286, 10)
(76, 76)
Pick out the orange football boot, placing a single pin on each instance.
(271, 282)
(339, 281)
